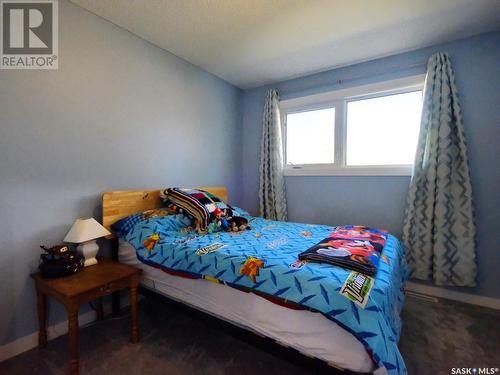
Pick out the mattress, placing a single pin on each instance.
(308, 332)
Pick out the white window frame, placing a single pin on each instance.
(339, 99)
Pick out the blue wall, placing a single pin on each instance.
(380, 201)
(119, 113)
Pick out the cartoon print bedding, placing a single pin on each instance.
(353, 247)
(265, 261)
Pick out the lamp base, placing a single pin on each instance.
(89, 251)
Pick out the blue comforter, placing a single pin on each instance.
(264, 260)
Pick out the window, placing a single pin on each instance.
(310, 137)
(366, 130)
(383, 130)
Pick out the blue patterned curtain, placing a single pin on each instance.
(272, 184)
(439, 225)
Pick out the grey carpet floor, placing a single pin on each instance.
(436, 338)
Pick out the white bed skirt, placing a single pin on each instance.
(310, 333)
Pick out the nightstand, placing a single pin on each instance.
(89, 284)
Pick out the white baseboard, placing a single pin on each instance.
(435, 291)
(31, 341)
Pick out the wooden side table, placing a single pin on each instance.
(89, 284)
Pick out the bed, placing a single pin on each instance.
(328, 337)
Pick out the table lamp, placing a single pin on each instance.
(85, 232)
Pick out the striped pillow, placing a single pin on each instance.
(200, 204)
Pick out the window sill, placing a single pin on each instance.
(349, 171)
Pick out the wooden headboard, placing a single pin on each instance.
(119, 204)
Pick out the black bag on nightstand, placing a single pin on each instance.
(59, 261)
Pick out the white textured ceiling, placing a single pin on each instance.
(254, 42)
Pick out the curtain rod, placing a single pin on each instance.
(342, 81)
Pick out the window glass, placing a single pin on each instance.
(383, 130)
(310, 137)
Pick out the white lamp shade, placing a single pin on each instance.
(84, 230)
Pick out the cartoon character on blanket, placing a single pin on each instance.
(353, 247)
